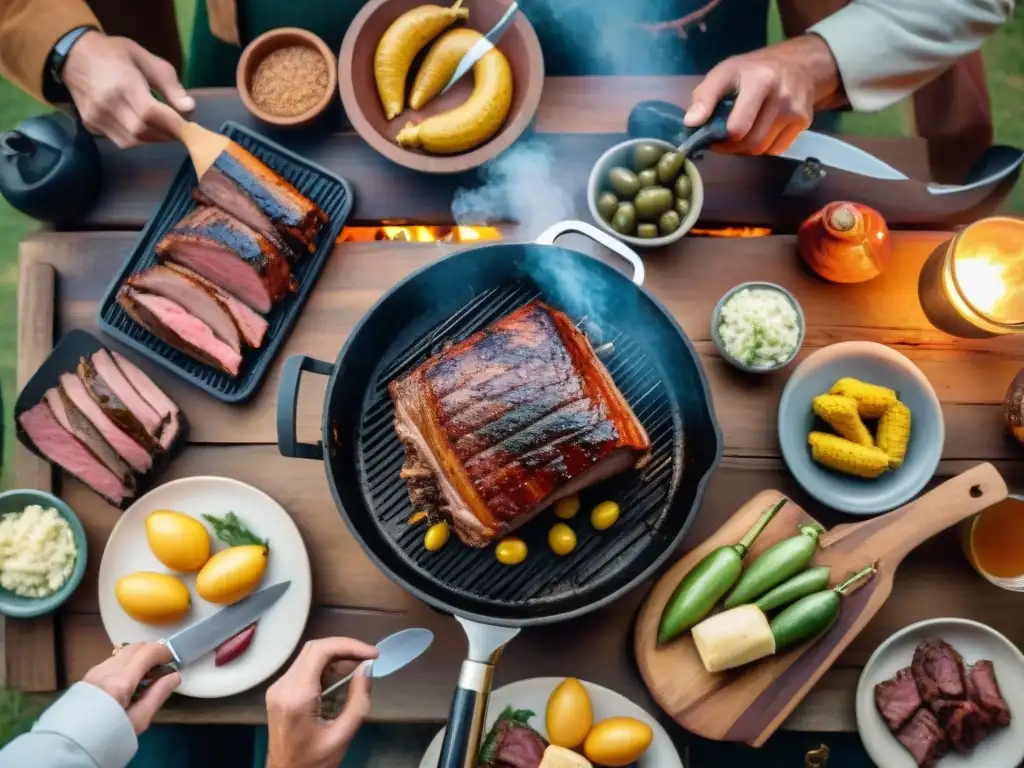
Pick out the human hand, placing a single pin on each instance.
(121, 674)
(109, 79)
(298, 736)
(778, 89)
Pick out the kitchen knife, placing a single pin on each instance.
(482, 46)
(195, 641)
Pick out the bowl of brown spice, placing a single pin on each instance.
(287, 77)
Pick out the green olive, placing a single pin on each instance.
(624, 220)
(646, 156)
(669, 166)
(648, 178)
(682, 207)
(684, 187)
(669, 222)
(606, 205)
(623, 181)
(651, 202)
(647, 230)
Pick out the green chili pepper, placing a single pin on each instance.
(801, 585)
(775, 565)
(705, 584)
(813, 614)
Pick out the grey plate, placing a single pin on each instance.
(877, 364)
(1003, 748)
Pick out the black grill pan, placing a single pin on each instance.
(331, 192)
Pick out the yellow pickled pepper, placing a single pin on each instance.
(842, 415)
(846, 456)
(894, 433)
(872, 400)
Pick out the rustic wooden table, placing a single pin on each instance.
(64, 273)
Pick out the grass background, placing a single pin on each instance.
(1004, 58)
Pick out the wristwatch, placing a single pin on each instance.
(53, 82)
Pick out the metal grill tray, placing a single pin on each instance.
(644, 497)
(331, 192)
(73, 346)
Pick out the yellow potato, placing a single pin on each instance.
(179, 541)
(231, 574)
(510, 551)
(400, 44)
(440, 64)
(569, 714)
(617, 741)
(153, 598)
(475, 120)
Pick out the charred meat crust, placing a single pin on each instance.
(117, 411)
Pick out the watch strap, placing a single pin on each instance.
(53, 87)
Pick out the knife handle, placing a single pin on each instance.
(152, 676)
(655, 119)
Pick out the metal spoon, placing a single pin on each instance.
(395, 651)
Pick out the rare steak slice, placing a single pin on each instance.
(161, 403)
(118, 412)
(983, 690)
(897, 699)
(252, 325)
(105, 369)
(938, 671)
(75, 422)
(127, 448)
(924, 738)
(510, 420)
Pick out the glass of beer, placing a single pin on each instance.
(994, 543)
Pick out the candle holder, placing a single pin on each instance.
(973, 285)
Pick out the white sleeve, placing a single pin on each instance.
(84, 728)
(887, 49)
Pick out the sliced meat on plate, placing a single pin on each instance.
(75, 422)
(61, 448)
(924, 738)
(243, 186)
(983, 690)
(106, 371)
(938, 670)
(153, 395)
(897, 699)
(116, 410)
(194, 297)
(234, 256)
(183, 331)
(252, 325)
(128, 449)
(964, 722)
(510, 420)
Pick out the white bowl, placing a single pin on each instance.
(720, 346)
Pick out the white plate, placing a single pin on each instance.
(534, 694)
(1003, 748)
(280, 628)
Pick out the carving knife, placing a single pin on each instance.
(485, 44)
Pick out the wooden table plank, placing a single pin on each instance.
(970, 376)
(572, 126)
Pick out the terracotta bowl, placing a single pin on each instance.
(362, 103)
(271, 41)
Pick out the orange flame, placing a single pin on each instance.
(732, 232)
(418, 233)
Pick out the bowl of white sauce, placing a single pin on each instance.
(42, 553)
(758, 327)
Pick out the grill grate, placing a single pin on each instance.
(334, 196)
(644, 497)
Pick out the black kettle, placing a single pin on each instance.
(50, 168)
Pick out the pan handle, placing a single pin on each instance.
(555, 231)
(288, 403)
(464, 732)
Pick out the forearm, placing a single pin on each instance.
(28, 31)
(887, 49)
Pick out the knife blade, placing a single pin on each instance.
(482, 46)
(836, 153)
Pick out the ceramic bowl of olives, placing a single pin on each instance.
(645, 193)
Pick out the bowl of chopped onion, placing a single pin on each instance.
(758, 327)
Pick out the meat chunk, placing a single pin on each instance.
(924, 738)
(897, 699)
(194, 297)
(230, 254)
(138, 458)
(161, 403)
(938, 671)
(61, 448)
(104, 371)
(963, 721)
(75, 422)
(252, 325)
(170, 322)
(246, 188)
(512, 419)
(983, 690)
(113, 407)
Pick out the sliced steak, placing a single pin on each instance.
(169, 321)
(983, 690)
(106, 370)
(75, 422)
(61, 448)
(194, 297)
(153, 395)
(938, 671)
(117, 411)
(232, 255)
(924, 738)
(252, 325)
(246, 188)
(138, 458)
(964, 722)
(512, 419)
(897, 699)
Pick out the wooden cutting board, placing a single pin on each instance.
(749, 703)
